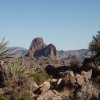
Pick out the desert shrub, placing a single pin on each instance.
(3, 97)
(17, 84)
(26, 97)
(14, 70)
(17, 78)
(40, 77)
(94, 45)
(4, 51)
(17, 96)
(75, 64)
(75, 61)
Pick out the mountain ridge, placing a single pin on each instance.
(82, 53)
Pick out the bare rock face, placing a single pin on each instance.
(48, 51)
(39, 49)
(36, 44)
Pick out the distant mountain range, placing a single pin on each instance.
(17, 51)
(82, 53)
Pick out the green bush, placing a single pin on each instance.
(40, 77)
(2, 97)
(13, 70)
(17, 78)
(26, 97)
(17, 96)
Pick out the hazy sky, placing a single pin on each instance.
(68, 24)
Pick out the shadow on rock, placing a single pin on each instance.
(56, 72)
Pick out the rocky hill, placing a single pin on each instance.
(39, 49)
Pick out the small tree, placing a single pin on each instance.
(94, 45)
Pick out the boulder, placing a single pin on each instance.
(42, 88)
(70, 77)
(57, 98)
(34, 86)
(59, 81)
(73, 80)
(71, 73)
(79, 79)
(45, 86)
(87, 75)
(39, 98)
(48, 95)
(53, 80)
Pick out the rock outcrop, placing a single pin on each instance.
(48, 51)
(39, 49)
(36, 44)
(71, 87)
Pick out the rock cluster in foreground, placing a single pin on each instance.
(70, 87)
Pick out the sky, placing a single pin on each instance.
(68, 24)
